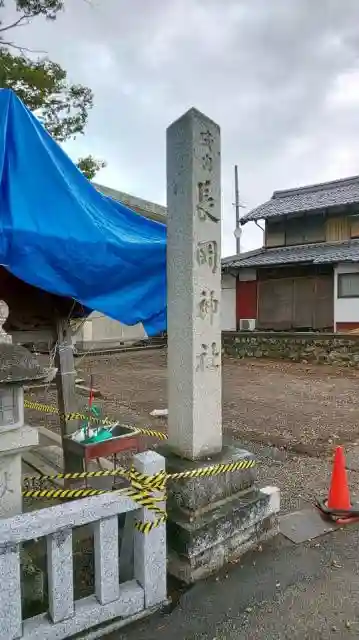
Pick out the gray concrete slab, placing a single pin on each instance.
(304, 525)
(308, 591)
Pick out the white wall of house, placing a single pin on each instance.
(100, 331)
(228, 305)
(346, 310)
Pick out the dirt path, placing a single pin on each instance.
(304, 408)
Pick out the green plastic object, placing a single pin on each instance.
(100, 436)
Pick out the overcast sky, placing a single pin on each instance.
(281, 77)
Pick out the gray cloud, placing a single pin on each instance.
(279, 77)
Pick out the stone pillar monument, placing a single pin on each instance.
(211, 519)
(17, 368)
(194, 286)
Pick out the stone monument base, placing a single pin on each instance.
(213, 520)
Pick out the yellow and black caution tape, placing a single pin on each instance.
(158, 481)
(140, 490)
(144, 498)
(141, 485)
(47, 408)
(139, 481)
(78, 475)
(61, 494)
(146, 527)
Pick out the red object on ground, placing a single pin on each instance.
(106, 448)
(91, 397)
(339, 495)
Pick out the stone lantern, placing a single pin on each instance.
(17, 368)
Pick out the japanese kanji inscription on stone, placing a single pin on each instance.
(194, 285)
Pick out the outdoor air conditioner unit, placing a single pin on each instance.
(247, 325)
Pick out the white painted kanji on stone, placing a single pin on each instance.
(194, 285)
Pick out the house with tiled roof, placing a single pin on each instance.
(306, 275)
(145, 208)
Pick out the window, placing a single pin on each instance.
(348, 285)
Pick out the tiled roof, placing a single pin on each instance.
(323, 253)
(148, 209)
(307, 199)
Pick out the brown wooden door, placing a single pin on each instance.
(296, 303)
(303, 303)
(275, 302)
(324, 302)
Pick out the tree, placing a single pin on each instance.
(42, 84)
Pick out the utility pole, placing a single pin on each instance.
(237, 230)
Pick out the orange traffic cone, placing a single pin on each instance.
(339, 496)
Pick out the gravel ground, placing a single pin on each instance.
(303, 407)
(300, 478)
(289, 414)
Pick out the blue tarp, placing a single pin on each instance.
(59, 234)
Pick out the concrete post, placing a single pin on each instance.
(150, 548)
(212, 519)
(66, 394)
(194, 286)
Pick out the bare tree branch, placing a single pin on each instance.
(22, 50)
(17, 23)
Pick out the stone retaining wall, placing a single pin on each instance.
(329, 348)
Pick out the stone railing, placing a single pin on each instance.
(327, 348)
(111, 600)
